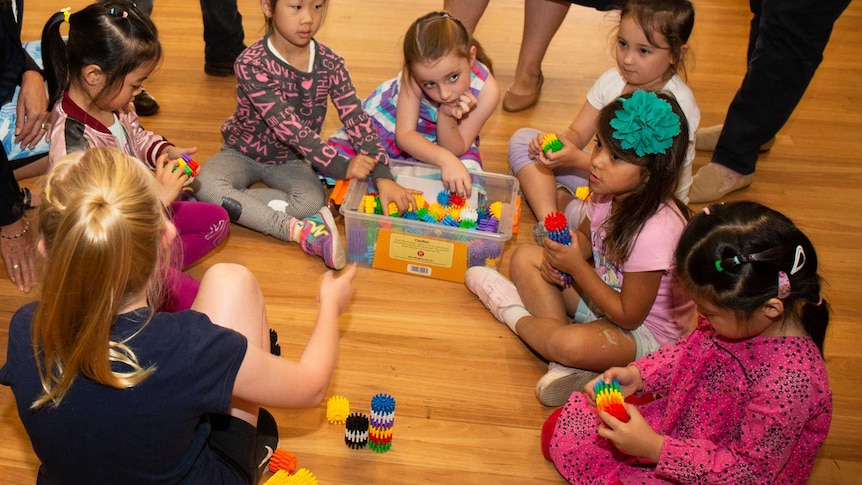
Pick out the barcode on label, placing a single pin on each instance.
(423, 270)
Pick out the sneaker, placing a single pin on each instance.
(267, 441)
(555, 387)
(495, 291)
(319, 236)
(540, 233)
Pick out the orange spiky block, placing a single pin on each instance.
(282, 460)
(609, 399)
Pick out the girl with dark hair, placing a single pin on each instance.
(92, 77)
(622, 293)
(746, 397)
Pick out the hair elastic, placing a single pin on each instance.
(718, 265)
(819, 300)
(798, 260)
(67, 12)
(783, 285)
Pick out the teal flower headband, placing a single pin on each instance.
(646, 124)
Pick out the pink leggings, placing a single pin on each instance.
(201, 227)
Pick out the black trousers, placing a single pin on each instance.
(785, 46)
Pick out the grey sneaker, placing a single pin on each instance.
(555, 387)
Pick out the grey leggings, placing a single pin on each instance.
(294, 190)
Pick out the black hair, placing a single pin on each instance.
(111, 34)
(731, 255)
(659, 176)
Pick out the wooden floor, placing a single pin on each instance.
(463, 383)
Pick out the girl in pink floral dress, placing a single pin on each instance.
(745, 398)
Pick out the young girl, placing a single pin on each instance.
(623, 294)
(112, 391)
(111, 49)
(746, 397)
(652, 40)
(284, 82)
(433, 111)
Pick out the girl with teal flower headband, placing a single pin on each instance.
(623, 299)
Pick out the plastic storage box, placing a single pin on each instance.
(422, 248)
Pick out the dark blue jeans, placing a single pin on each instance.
(223, 33)
(785, 47)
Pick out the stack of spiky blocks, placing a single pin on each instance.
(382, 419)
(557, 227)
(609, 398)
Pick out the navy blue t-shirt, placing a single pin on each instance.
(155, 432)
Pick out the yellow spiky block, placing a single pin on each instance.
(582, 192)
(496, 210)
(420, 201)
(301, 477)
(437, 211)
(337, 409)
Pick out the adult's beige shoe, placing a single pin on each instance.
(707, 184)
(707, 139)
(519, 102)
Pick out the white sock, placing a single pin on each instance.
(512, 314)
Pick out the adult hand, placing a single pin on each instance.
(19, 254)
(32, 117)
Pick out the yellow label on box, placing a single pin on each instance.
(425, 256)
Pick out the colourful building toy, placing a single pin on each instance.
(582, 192)
(356, 431)
(557, 227)
(381, 422)
(190, 166)
(609, 399)
(337, 409)
(551, 142)
(282, 460)
(301, 477)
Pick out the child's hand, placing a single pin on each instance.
(177, 152)
(460, 107)
(360, 167)
(535, 147)
(629, 379)
(171, 178)
(557, 159)
(559, 257)
(337, 291)
(456, 178)
(635, 438)
(390, 191)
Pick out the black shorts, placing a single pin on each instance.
(243, 447)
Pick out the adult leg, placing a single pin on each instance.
(786, 45)
(542, 19)
(467, 11)
(224, 37)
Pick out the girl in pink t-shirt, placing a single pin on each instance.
(745, 397)
(621, 289)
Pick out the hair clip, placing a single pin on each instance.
(113, 12)
(783, 285)
(718, 265)
(706, 210)
(798, 260)
(646, 124)
(67, 12)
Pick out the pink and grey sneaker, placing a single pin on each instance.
(319, 236)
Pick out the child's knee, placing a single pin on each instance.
(519, 148)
